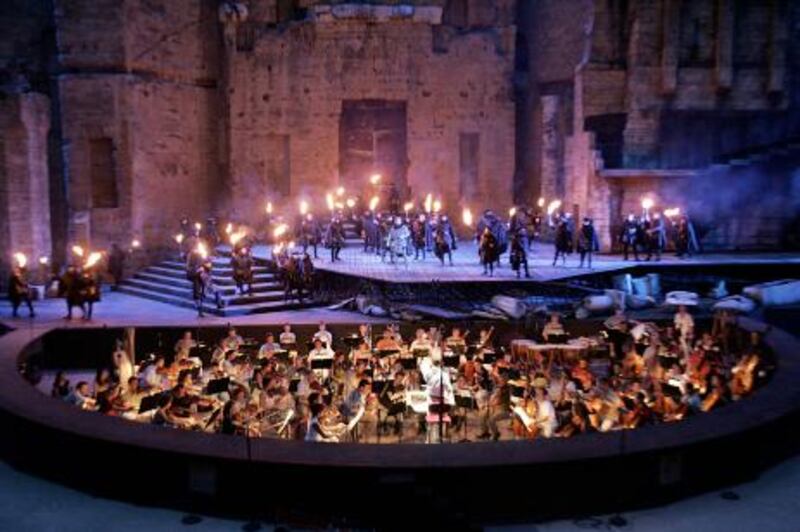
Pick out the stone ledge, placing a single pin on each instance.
(376, 13)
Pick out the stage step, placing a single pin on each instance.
(166, 282)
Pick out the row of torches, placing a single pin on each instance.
(335, 201)
(89, 258)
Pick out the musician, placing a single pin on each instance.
(365, 333)
(81, 396)
(684, 325)
(320, 352)
(323, 334)
(421, 341)
(498, 409)
(233, 419)
(356, 400)
(456, 340)
(387, 341)
(314, 430)
(232, 342)
(287, 337)
(553, 328)
(184, 346)
(19, 291)
(269, 347)
(151, 376)
(437, 379)
(546, 419)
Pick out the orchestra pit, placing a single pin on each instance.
(463, 264)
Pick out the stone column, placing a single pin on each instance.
(25, 194)
(670, 45)
(778, 37)
(231, 14)
(723, 71)
(552, 148)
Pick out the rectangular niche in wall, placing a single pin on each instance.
(372, 138)
(277, 165)
(468, 164)
(103, 174)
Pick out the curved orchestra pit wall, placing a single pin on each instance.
(115, 457)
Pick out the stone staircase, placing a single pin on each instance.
(166, 282)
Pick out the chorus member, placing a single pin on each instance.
(19, 290)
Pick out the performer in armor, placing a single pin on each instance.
(397, 241)
(441, 245)
(242, 266)
(334, 237)
(198, 271)
(69, 287)
(447, 227)
(210, 232)
(488, 251)
(369, 231)
(19, 290)
(310, 233)
(656, 237)
(563, 240)
(89, 289)
(519, 252)
(116, 264)
(419, 229)
(685, 239)
(587, 242)
(629, 237)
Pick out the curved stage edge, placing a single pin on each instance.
(362, 483)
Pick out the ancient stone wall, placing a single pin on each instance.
(294, 80)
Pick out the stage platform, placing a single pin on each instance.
(466, 268)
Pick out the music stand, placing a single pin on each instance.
(451, 361)
(150, 402)
(421, 352)
(194, 372)
(322, 363)
(466, 402)
(383, 353)
(218, 385)
(408, 363)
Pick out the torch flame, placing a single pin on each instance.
(428, 203)
(540, 203)
(512, 211)
(675, 211)
(43, 260)
(408, 206)
(201, 250)
(229, 228)
(280, 230)
(94, 258)
(303, 207)
(198, 226)
(179, 238)
(647, 203)
(21, 259)
(269, 207)
(77, 250)
(329, 200)
(437, 206)
(553, 206)
(340, 191)
(373, 203)
(278, 248)
(135, 244)
(375, 179)
(466, 217)
(237, 236)
(351, 203)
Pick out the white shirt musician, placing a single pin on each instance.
(437, 379)
(325, 335)
(320, 352)
(287, 336)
